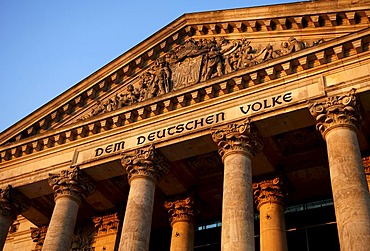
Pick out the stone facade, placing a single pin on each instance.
(216, 107)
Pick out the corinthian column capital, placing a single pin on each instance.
(235, 138)
(269, 191)
(72, 182)
(336, 111)
(12, 202)
(146, 162)
(181, 208)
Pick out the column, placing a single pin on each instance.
(237, 145)
(182, 213)
(338, 120)
(145, 168)
(269, 196)
(70, 187)
(12, 203)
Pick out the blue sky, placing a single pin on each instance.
(47, 46)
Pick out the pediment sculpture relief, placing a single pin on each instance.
(194, 62)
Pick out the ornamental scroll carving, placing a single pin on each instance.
(72, 182)
(12, 202)
(195, 61)
(38, 236)
(146, 162)
(106, 224)
(338, 110)
(269, 191)
(237, 138)
(181, 208)
(83, 240)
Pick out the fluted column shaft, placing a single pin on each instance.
(182, 214)
(269, 197)
(138, 217)
(62, 223)
(237, 147)
(338, 120)
(12, 203)
(70, 187)
(237, 204)
(145, 168)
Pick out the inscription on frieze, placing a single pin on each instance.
(207, 120)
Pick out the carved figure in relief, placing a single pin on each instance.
(245, 55)
(160, 82)
(292, 45)
(131, 96)
(196, 61)
(212, 61)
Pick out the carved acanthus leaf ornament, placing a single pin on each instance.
(72, 182)
(38, 236)
(336, 111)
(12, 202)
(146, 162)
(181, 208)
(237, 138)
(192, 62)
(269, 191)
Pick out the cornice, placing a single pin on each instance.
(240, 22)
(317, 57)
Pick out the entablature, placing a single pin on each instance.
(301, 64)
(256, 23)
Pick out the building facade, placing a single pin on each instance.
(243, 129)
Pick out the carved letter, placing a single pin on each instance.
(287, 97)
(209, 120)
(140, 140)
(180, 128)
(275, 100)
(98, 151)
(222, 114)
(108, 149)
(258, 107)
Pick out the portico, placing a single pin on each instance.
(209, 109)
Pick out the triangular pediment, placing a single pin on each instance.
(190, 51)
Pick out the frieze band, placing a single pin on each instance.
(194, 62)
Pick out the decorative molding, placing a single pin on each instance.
(72, 183)
(193, 62)
(336, 111)
(181, 208)
(269, 190)
(12, 202)
(366, 163)
(38, 235)
(106, 224)
(83, 240)
(327, 53)
(237, 138)
(14, 228)
(146, 162)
